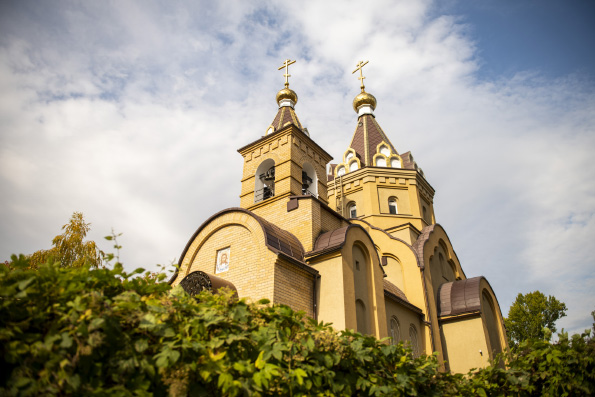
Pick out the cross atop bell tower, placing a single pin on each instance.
(361, 77)
(287, 75)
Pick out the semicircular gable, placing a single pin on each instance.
(273, 237)
(465, 296)
(430, 237)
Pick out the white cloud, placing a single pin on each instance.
(121, 111)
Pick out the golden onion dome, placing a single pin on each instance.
(287, 93)
(364, 98)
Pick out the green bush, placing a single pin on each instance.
(82, 331)
(100, 331)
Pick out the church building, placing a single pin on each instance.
(355, 243)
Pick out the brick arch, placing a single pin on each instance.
(265, 234)
(430, 238)
(319, 169)
(213, 228)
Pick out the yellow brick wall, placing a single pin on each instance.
(290, 150)
(294, 287)
(251, 265)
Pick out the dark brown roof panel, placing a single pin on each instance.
(393, 289)
(458, 297)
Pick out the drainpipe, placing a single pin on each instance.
(314, 296)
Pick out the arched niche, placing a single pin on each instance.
(309, 180)
(361, 267)
(491, 322)
(264, 185)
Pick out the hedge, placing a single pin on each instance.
(82, 331)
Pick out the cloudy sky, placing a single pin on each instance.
(132, 112)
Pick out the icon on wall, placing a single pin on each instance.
(222, 260)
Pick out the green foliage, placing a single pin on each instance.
(530, 315)
(68, 248)
(101, 331)
(98, 331)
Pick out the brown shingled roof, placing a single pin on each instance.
(330, 240)
(286, 115)
(393, 289)
(367, 136)
(458, 297)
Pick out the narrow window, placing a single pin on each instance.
(392, 206)
(395, 331)
(356, 265)
(352, 210)
(413, 339)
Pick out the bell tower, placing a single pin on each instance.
(375, 183)
(284, 162)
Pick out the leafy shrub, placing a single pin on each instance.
(101, 331)
(83, 331)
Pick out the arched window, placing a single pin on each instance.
(341, 171)
(395, 162)
(353, 166)
(264, 185)
(348, 157)
(352, 210)
(385, 150)
(395, 331)
(380, 162)
(392, 205)
(413, 339)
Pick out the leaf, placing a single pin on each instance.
(66, 340)
(25, 283)
(300, 374)
(141, 345)
(225, 381)
(259, 363)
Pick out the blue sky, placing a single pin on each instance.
(121, 110)
(555, 38)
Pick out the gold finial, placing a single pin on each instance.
(361, 77)
(286, 66)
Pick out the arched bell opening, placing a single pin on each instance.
(264, 186)
(309, 180)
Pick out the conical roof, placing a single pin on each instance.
(285, 116)
(366, 138)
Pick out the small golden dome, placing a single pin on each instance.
(287, 93)
(364, 98)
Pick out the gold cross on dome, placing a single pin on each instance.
(286, 66)
(361, 77)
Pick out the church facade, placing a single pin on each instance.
(353, 243)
